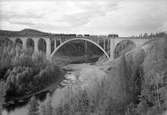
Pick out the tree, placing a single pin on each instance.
(2, 94)
(49, 108)
(33, 106)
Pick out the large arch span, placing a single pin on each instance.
(83, 39)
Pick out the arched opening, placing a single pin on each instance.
(122, 47)
(30, 45)
(79, 50)
(18, 42)
(42, 45)
(5, 41)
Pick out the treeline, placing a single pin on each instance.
(152, 35)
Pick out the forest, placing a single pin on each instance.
(135, 82)
(24, 74)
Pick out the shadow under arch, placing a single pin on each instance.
(83, 39)
(30, 45)
(19, 42)
(122, 47)
(42, 45)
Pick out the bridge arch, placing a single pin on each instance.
(42, 45)
(123, 46)
(74, 39)
(30, 43)
(19, 42)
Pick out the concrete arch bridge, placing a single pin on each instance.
(50, 45)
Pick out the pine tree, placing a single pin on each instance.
(33, 107)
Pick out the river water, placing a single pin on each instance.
(23, 110)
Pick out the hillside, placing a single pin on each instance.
(133, 84)
(30, 32)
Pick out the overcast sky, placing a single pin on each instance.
(123, 17)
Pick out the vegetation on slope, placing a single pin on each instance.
(123, 47)
(26, 74)
(135, 84)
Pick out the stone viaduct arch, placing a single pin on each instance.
(74, 39)
(33, 41)
(115, 41)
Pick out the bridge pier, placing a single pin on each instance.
(55, 44)
(36, 50)
(48, 47)
(24, 43)
(86, 47)
(112, 46)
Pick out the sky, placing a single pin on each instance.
(100, 17)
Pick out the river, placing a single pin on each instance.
(56, 94)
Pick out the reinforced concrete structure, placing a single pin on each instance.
(53, 44)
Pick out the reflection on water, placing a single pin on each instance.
(56, 95)
(17, 111)
(22, 108)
